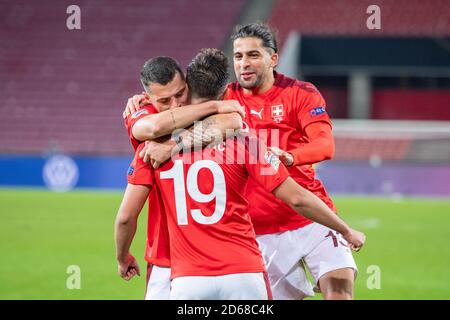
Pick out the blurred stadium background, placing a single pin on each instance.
(64, 151)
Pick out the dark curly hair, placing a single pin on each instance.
(207, 74)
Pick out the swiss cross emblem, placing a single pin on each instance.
(277, 113)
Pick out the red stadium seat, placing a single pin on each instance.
(69, 88)
(348, 17)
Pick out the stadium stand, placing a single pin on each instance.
(343, 17)
(392, 140)
(342, 21)
(411, 104)
(66, 89)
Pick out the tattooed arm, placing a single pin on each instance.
(212, 129)
(162, 123)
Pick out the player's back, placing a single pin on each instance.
(210, 230)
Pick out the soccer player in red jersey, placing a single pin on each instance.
(212, 243)
(297, 111)
(164, 80)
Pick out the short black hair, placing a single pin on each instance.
(260, 31)
(207, 74)
(160, 70)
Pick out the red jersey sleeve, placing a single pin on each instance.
(265, 167)
(139, 172)
(311, 105)
(320, 146)
(131, 120)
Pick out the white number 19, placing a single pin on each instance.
(219, 191)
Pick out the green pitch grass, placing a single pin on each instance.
(43, 233)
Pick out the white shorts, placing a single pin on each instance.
(158, 283)
(322, 249)
(236, 286)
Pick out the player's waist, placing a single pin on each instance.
(211, 258)
(158, 261)
(157, 257)
(192, 272)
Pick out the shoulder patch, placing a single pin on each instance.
(317, 111)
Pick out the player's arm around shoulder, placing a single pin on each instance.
(146, 128)
(163, 123)
(227, 124)
(213, 129)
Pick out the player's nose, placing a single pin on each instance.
(174, 103)
(245, 63)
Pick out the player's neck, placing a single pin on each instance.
(264, 87)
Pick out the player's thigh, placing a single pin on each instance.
(329, 253)
(282, 253)
(158, 283)
(294, 285)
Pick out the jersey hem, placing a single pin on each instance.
(203, 273)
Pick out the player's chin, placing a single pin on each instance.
(247, 84)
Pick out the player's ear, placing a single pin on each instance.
(274, 60)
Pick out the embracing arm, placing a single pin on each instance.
(165, 122)
(212, 129)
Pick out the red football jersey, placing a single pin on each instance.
(210, 230)
(131, 119)
(284, 110)
(157, 246)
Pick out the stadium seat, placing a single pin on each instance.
(348, 17)
(69, 87)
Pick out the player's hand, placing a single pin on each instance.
(285, 157)
(156, 152)
(128, 268)
(355, 239)
(229, 106)
(135, 103)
